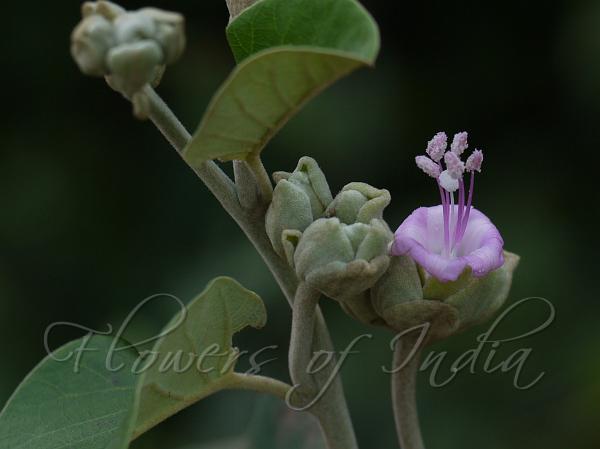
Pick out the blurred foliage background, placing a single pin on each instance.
(98, 212)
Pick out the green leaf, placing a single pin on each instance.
(343, 25)
(274, 426)
(290, 50)
(71, 400)
(195, 357)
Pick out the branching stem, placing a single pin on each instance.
(333, 413)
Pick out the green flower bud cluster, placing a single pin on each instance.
(129, 48)
(340, 247)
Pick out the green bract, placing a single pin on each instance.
(359, 202)
(299, 198)
(404, 299)
(342, 260)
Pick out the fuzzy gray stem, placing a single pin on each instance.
(333, 413)
(314, 387)
(246, 186)
(301, 341)
(404, 394)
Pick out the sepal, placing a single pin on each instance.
(299, 198)
(359, 203)
(342, 260)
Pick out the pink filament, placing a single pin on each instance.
(468, 211)
(461, 210)
(444, 194)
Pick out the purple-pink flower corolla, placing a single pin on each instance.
(449, 238)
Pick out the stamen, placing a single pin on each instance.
(468, 211)
(443, 194)
(461, 211)
(454, 165)
(437, 146)
(449, 181)
(452, 214)
(428, 166)
(447, 224)
(474, 161)
(459, 143)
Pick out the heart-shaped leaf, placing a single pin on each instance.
(343, 25)
(96, 394)
(72, 400)
(290, 50)
(195, 357)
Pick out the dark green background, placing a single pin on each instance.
(98, 212)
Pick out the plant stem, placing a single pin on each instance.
(262, 178)
(404, 394)
(259, 383)
(301, 340)
(232, 381)
(333, 416)
(312, 385)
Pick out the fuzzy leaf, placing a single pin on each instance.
(75, 403)
(185, 369)
(343, 25)
(289, 51)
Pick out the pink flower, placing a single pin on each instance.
(422, 237)
(447, 239)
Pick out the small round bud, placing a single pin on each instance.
(299, 198)
(132, 66)
(133, 27)
(169, 33)
(130, 49)
(359, 203)
(106, 9)
(90, 43)
(340, 260)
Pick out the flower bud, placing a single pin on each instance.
(340, 260)
(359, 203)
(134, 65)
(133, 27)
(129, 48)
(92, 39)
(170, 33)
(299, 198)
(106, 9)
(398, 300)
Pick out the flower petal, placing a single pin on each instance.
(421, 236)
